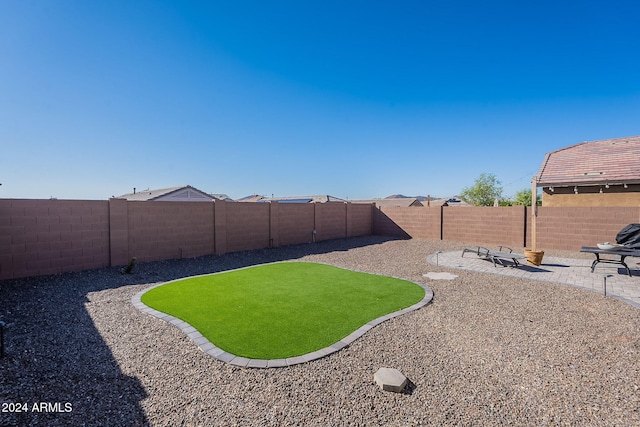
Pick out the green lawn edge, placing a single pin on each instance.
(281, 310)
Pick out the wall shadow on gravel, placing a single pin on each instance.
(55, 355)
(156, 271)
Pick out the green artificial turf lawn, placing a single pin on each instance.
(281, 310)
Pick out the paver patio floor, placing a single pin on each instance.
(567, 271)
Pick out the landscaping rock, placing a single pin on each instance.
(491, 350)
(390, 379)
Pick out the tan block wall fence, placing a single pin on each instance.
(570, 228)
(49, 236)
(39, 237)
(565, 228)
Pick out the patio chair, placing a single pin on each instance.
(502, 254)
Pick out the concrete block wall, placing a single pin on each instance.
(331, 220)
(495, 225)
(391, 222)
(295, 222)
(119, 231)
(39, 237)
(361, 216)
(403, 222)
(570, 228)
(168, 230)
(565, 228)
(247, 226)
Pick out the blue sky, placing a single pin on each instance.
(357, 99)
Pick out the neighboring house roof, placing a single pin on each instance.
(251, 198)
(179, 193)
(324, 198)
(449, 201)
(392, 202)
(596, 162)
(222, 196)
(402, 196)
(293, 199)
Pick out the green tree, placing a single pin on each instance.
(484, 192)
(523, 198)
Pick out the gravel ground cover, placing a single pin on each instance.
(489, 350)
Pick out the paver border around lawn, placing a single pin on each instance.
(224, 356)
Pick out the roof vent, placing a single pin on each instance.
(593, 173)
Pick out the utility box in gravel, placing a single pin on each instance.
(390, 379)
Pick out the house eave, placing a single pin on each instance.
(578, 183)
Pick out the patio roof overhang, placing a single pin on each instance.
(586, 183)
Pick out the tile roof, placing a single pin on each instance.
(596, 162)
